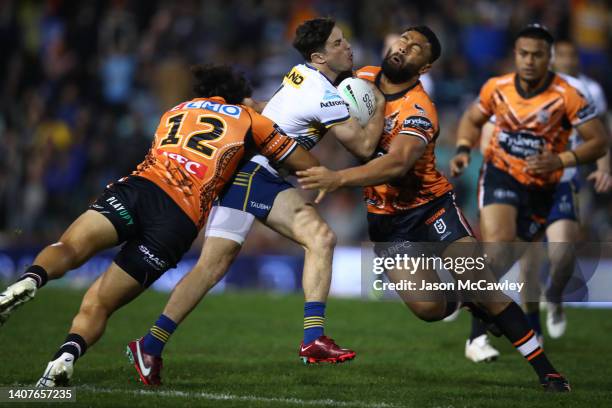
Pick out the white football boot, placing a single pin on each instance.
(58, 372)
(480, 349)
(556, 322)
(16, 295)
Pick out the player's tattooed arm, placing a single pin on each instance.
(403, 153)
(469, 130)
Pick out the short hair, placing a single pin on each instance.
(432, 39)
(535, 31)
(220, 80)
(311, 36)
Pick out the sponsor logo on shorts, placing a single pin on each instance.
(260, 206)
(152, 259)
(504, 194)
(434, 217)
(565, 206)
(120, 209)
(440, 226)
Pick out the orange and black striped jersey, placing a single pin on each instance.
(198, 146)
(409, 113)
(527, 124)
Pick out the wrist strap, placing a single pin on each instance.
(463, 149)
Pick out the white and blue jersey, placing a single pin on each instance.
(305, 106)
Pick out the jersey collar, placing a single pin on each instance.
(397, 95)
(307, 65)
(535, 92)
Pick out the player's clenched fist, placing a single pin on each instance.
(459, 163)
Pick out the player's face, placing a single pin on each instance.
(338, 53)
(532, 59)
(407, 57)
(566, 58)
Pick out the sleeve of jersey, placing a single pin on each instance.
(331, 111)
(485, 98)
(578, 108)
(418, 124)
(270, 139)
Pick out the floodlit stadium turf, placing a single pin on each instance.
(240, 350)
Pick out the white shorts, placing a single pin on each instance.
(229, 223)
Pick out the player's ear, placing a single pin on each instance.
(318, 58)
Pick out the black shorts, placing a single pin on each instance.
(533, 204)
(439, 220)
(156, 232)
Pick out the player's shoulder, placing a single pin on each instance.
(500, 81)
(568, 87)
(368, 72)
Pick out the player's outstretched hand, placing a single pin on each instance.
(459, 163)
(602, 181)
(320, 178)
(543, 163)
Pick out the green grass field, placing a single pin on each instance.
(240, 350)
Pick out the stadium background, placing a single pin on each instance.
(84, 83)
(82, 86)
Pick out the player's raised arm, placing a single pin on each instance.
(362, 141)
(403, 153)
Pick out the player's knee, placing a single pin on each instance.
(94, 310)
(428, 311)
(323, 237)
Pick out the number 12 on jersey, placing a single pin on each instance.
(206, 129)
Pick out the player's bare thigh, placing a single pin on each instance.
(498, 223)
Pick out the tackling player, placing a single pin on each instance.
(535, 111)
(307, 106)
(157, 211)
(409, 200)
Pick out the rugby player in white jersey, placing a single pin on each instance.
(307, 107)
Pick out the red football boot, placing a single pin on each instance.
(148, 366)
(324, 350)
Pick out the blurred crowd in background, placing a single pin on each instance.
(83, 84)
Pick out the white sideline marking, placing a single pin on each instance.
(246, 398)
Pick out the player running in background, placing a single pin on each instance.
(535, 111)
(410, 201)
(562, 223)
(157, 211)
(307, 106)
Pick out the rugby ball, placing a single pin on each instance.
(359, 97)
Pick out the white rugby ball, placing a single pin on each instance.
(358, 95)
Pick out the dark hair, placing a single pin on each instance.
(432, 39)
(311, 36)
(220, 80)
(536, 31)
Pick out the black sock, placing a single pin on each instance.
(74, 344)
(37, 273)
(534, 321)
(451, 307)
(514, 325)
(478, 328)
